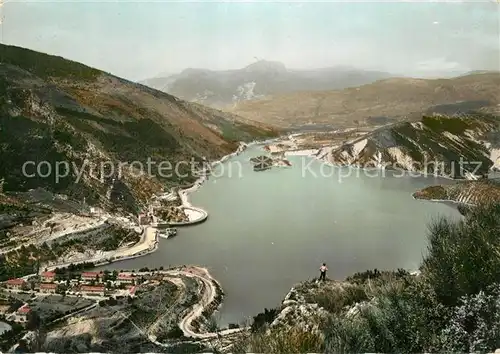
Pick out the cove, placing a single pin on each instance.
(268, 230)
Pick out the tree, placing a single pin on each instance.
(464, 258)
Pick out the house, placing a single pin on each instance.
(91, 276)
(125, 278)
(16, 284)
(22, 314)
(48, 288)
(93, 290)
(48, 277)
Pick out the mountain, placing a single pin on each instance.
(59, 114)
(381, 102)
(452, 146)
(258, 80)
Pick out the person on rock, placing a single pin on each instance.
(322, 272)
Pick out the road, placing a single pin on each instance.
(147, 243)
(196, 311)
(207, 298)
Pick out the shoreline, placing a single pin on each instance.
(184, 193)
(407, 173)
(444, 201)
(150, 243)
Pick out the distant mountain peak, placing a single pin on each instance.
(266, 66)
(194, 71)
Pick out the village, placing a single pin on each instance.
(167, 305)
(91, 285)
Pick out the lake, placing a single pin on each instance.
(4, 327)
(268, 230)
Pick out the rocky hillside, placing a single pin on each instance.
(257, 80)
(451, 304)
(436, 144)
(59, 114)
(464, 192)
(381, 102)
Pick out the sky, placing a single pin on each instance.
(142, 39)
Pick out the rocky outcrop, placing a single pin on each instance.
(460, 147)
(465, 192)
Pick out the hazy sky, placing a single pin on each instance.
(137, 39)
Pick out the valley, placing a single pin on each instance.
(348, 172)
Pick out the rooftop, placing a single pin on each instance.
(24, 309)
(92, 288)
(48, 286)
(90, 274)
(126, 276)
(16, 281)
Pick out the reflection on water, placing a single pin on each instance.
(268, 230)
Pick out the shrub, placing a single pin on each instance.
(346, 335)
(475, 324)
(175, 333)
(264, 318)
(398, 320)
(335, 300)
(464, 258)
(286, 341)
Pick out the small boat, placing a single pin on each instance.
(171, 231)
(168, 232)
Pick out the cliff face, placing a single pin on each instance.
(60, 115)
(462, 147)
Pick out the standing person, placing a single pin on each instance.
(322, 271)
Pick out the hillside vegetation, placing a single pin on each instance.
(56, 110)
(381, 102)
(453, 305)
(464, 146)
(466, 192)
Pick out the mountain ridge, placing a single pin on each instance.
(222, 88)
(74, 113)
(458, 147)
(394, 99)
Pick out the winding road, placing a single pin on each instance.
(196, 311)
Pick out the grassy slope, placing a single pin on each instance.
(391, 98)
(54, 109)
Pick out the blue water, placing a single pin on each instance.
(268, 230)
